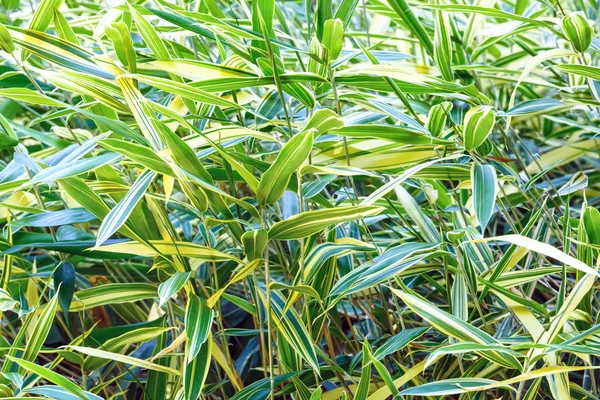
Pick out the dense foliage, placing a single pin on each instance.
(260, 199)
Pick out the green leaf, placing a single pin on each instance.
(51, 376)
(90, 200)
(6, 42)
(345, 11)
(546, 250)
(187, 91)
(438, 115)
(29, 96)
(365, 376)
(583, 70)
(385, 267)
(167, 247)
(464, 385)
(127, 360)
(467, 347)
(119, 215)
(402, 135)
(113, 293)
(149, 34)
(310, 222)
(171, 286)
(404, 11)
(578, 30)
(449, 325)
(196, 371)
(276, 179)
(333, 38)
(442, 44)
(449, 386)
(6, 301)
(479, 122)
(69, 169)
(398, 342)
(198, 321)
(56, 51)
(487, 11)
(41, 330)
(64, 277)
(534, 106)
(289, 324)
(139, 154)
(254, 242)
(119, 35)
(44, 14)
(484, 181)
(55, 218)
(591, 222)
(242, 273)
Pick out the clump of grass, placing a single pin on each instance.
(251, 200)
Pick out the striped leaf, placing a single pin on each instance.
(43, 14)
(467, 347)
(114, 293)
(449, 325)
(479, 122)
(171, 286)
(310, 222)
(442, 44)
(546, 250)
(397, 342)
(198, 321)
(388, 187)
(57, 51)
(29, 96)
(119, 35)
(6, 301)
(275, 180)
(578, 30)
(120, 343)
(385, 267)
(415, 27)
(51, 376)
(66, 170)
(289, 324)
(127, 360)
(196, 371)
(238, 276)
(484, 181)
(254, 243)
(139, 154)
(40, 330)
(186, 91)
(325, 251)
(149, 33)
(119, 215)
(401, 135)
(365, 376)
(166, 247)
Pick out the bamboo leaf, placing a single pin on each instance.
(452, 326)
(196, 370)
(198, 320)
(127, 360)
(484, 182)
(171, 286)
(51, 376)
(311, 222)
(119, 215)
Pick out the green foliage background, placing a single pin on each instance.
(355, 199)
